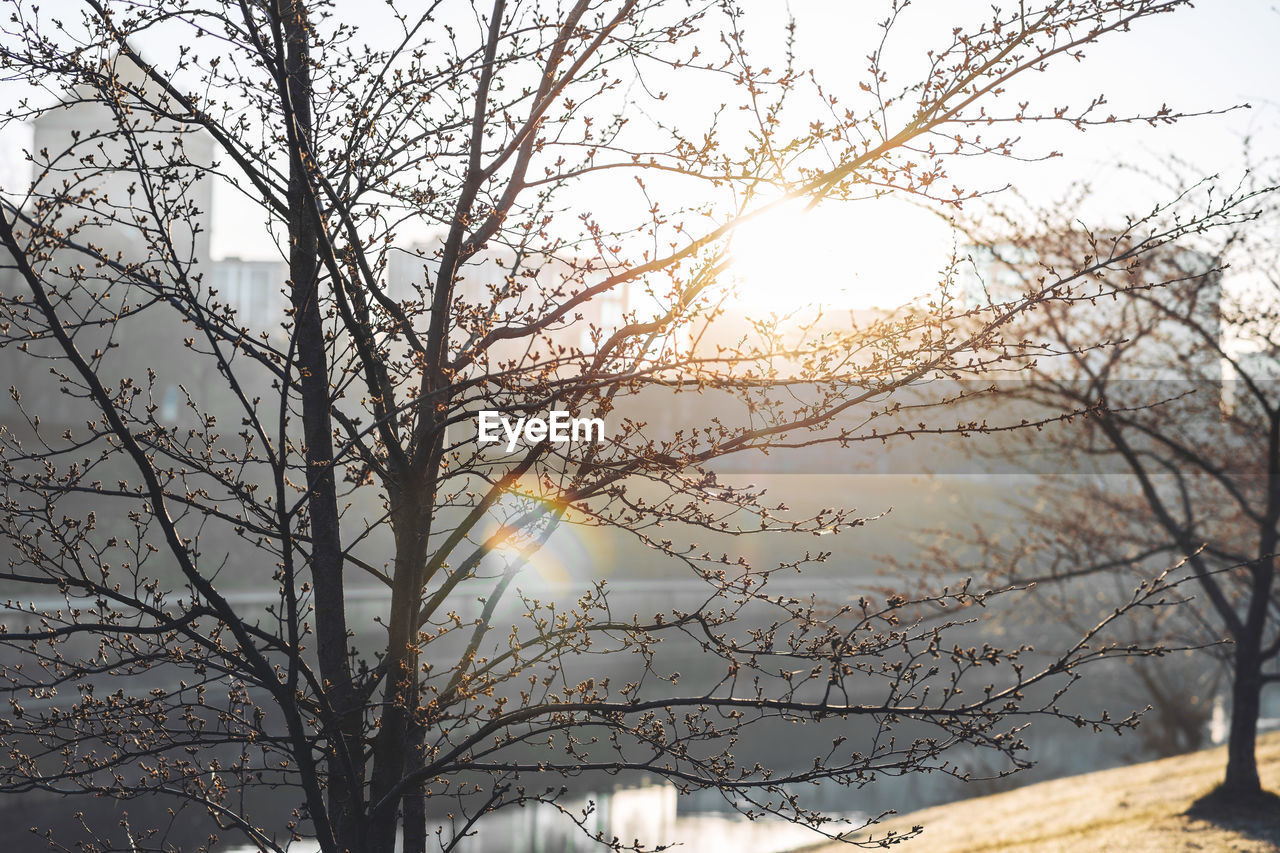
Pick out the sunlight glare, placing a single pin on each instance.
(879, 253)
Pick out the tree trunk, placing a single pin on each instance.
(1246, 694)
(393, 747)
(345, 764)
(413, 803)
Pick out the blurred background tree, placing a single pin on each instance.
(1173, 362)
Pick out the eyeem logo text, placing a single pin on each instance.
(559, 428)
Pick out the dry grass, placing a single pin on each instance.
(1137, 809)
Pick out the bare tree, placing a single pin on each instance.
(1177, 452)
(338, 442)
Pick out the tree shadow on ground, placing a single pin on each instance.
(1255, 816)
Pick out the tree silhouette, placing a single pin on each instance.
(166, 447)
(1177, 439)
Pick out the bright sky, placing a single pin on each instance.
(1213, 55)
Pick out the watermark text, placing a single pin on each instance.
(559, 427)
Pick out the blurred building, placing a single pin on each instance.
(254, 289)
(1157, 317)
(78, 146)
(126, 243)
(502, 288)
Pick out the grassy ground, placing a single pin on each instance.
(1137, 809)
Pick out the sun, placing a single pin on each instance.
(878, 253)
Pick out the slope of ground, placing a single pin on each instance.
(1138, 809)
